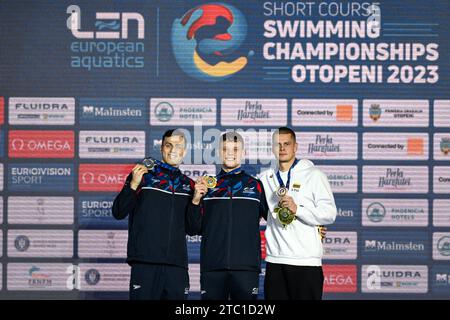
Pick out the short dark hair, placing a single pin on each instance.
(231, 136)
(173, 132)
(284, 130)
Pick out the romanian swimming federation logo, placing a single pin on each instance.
(205, 39)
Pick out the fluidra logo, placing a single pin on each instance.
(109, 45)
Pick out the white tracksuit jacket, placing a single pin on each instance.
(299, 243)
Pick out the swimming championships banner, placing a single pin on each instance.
(87, 88)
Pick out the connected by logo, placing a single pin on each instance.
(92, 277)
(443, 246)
(376, 212)
(204, 39)
(22, 243)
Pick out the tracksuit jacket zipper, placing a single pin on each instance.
(230, 210)
(171, 213)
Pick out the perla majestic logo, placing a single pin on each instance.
(204, 36)
(105, 20)
(252, 111)
(375, 112)
(394, 178)
(323, 145)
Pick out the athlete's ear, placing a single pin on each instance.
(295, 147)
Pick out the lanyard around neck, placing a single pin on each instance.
(280, 181)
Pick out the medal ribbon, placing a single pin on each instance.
(164, 165)
(280, 181)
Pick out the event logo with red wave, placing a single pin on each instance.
(205, 38)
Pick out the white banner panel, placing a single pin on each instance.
(40, 210)
(194, 277)
(395, 179)
(182, 112)
(194, 171)
(102, 243)
(39, 277)
(112, 144)
(324, 113)
(395, 146)
(327, 145)
(441, 212)
(395, 212)
(441, 179)
(342, 179)
(442, 113)
(394, 279)
(340, 245)
(41, 111)
(104, 276)
(40, 243)
(396, 113)
(254, 112)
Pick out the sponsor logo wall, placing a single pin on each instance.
(65, 154)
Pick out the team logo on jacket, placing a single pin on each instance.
(249, 190)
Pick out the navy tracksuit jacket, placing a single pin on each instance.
(158, 219)
(229, 225)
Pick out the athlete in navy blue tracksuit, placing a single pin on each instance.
(230, 260)
(156, 202)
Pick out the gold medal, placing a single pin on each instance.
(285, 216)
(210, 181)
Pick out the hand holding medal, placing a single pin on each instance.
(201, 187)
(210, 181)
(286, 207)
